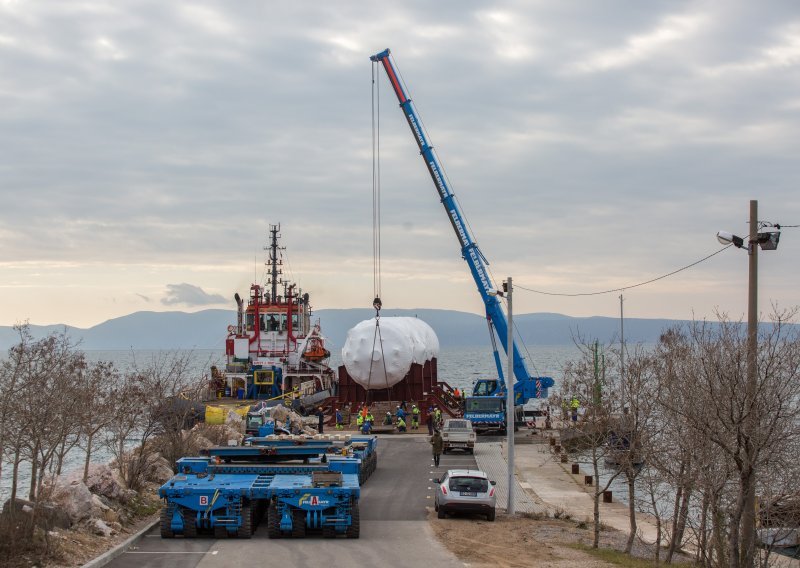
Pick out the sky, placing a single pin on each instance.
(146, 147)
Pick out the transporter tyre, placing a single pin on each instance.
(490, 516)
(273, 521)
(189, 524)
(246, 530)
(166, 522)
(328, 532)
(298, 523)
(354, 530)
(441, 514)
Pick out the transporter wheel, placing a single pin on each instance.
(246, 529)
(273, 521)
(490, 516)
(189, 524)
(441, 514)
(298, 523)
(354, 530)
(328, 531)
(258, 513)
(166, 522)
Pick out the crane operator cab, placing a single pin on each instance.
(486, 387)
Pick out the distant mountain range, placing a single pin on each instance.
(207, 329)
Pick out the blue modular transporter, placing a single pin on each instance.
(301, 483)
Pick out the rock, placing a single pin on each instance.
(97, 503)
(101, 529)
(48, 515)
(111, 516)
(158, 470)
(74, 498)
(102, 481)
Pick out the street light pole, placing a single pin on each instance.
(510, 404)
(748, 516)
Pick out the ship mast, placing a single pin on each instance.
(273, 261)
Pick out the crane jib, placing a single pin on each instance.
(469, 249)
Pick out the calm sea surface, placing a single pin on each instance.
(458, 366)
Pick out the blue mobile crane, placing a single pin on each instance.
(486, 406)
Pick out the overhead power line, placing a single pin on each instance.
(623, 288)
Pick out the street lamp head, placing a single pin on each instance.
(726, 238)
(769, 240)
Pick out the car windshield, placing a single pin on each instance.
(477, 484)
(456, 425)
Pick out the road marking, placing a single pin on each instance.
(164, 552)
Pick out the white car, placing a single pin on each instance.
(465, 491)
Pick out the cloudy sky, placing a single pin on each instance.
(146, 146)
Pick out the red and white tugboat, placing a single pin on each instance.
(274, 351)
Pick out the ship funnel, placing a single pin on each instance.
(239, 314)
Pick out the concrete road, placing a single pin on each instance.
(394, 530)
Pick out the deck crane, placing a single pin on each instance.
(486, 408)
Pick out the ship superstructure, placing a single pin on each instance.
(275, 350)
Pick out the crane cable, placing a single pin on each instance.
(377, 339)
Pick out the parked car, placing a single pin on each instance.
(465, 491)
(458, 434)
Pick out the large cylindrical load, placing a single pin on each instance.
(404, 341)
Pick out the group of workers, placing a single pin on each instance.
(365, 421)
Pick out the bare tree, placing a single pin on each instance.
(138, 412)
(632, 430)
(709, 396)
(585, 378)
(98, 388)
(11, 382)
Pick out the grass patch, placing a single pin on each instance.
(614, 556)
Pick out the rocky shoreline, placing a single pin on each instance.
(77, 519)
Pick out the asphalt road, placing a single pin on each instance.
(394, 531)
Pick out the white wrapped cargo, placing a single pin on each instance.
(405, 341)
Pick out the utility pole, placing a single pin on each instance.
(748, 517)
(621, 354)
(510, 416)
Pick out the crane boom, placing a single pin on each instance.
(469, 248)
